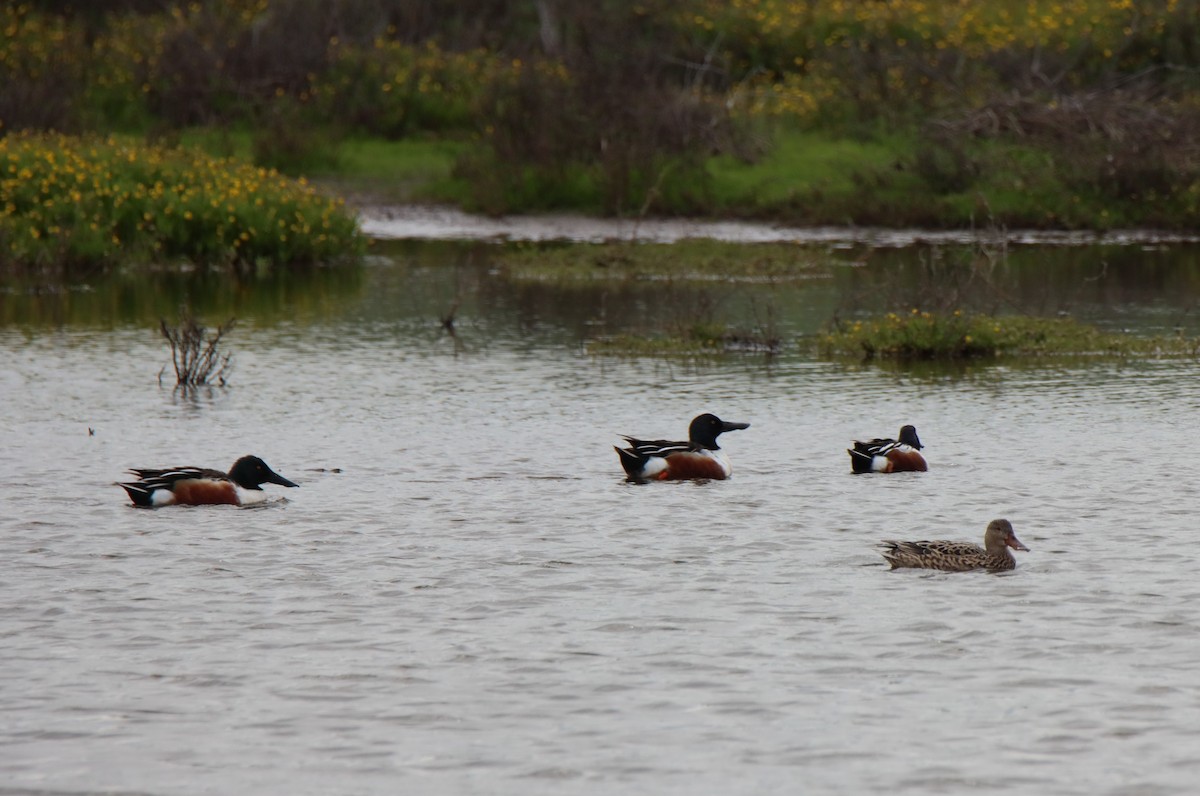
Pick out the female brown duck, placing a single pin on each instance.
(958, 556)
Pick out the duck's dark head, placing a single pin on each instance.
(249, 472)
(705, 429)
(908, 435)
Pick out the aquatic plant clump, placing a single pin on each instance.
(71, 201)
(920, 335)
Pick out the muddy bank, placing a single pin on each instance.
(447, 223)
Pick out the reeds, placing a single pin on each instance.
(195, 354)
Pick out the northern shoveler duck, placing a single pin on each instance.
(200, 486)
(958, 556)
(889, 455)
(699, 457)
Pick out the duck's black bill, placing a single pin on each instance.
(275, 478)
(727, 426)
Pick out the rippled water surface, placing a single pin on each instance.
(465, 597)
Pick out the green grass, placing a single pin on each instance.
(365, 170)
(805, 164)
(806, 178)
(896, 180)
(395, 171)
(902, 179)
(824, 178)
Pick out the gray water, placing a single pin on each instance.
(464, 596)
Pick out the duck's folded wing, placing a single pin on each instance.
(875, 447)
(950, 556)
(164, 478)
(952, 548)
(657, 447)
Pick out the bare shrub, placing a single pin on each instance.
(283, 141)
(218, 68)
(195, 354)
(40, 72)
(222, 66)
(626, 100)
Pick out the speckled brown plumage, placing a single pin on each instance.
(958, 556)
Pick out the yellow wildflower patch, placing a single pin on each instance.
(110, 214)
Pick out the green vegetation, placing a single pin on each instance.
(924, 336)
(825, 177)
(1048, 113)
(684, 261)
(364, 170)
(368, 169)
(818, 179)
(88, 201)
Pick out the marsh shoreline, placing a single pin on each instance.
(437, 222)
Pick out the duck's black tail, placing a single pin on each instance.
(860, 458)
(139, 495)
(632, 461)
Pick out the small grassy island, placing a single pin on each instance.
(918, 335)
(911, 337)
(69, 202)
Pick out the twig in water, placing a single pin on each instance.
(197, 358)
